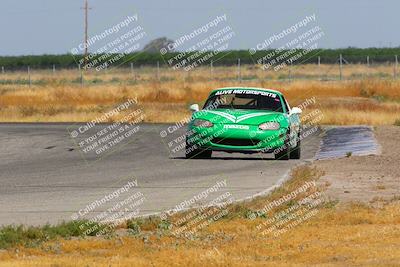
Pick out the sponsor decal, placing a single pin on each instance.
(237, 119)
(246, 92)
(233, 126)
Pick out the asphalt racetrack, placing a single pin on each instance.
(47, 175)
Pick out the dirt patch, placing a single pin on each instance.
(366, 178)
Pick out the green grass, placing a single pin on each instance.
(133, 227)
(22, 82)
(11, 236)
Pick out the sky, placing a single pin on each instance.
(34, 27)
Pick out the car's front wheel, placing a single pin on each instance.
(283, 153)
(205, 154)
(295, 153)
(193, 153)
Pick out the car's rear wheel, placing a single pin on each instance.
(283, 152)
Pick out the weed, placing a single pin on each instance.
(134, 227)
(27, 111)
(11, 236)
(164, 225)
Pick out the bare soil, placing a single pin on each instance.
(366, 178)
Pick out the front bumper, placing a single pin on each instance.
(234, 138)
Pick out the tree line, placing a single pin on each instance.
(225, 58)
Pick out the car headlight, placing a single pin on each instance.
(269, 126)
(203, 123)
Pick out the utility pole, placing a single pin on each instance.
(340, 66)
(86, 8)
(158, 70)
(81, 74)
(239, 75)
(319, 67)
(211, 69)
(29, 76)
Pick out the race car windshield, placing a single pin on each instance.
(244, 101)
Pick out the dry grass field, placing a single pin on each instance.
(367, 95)
(337, 235)
(345, 229)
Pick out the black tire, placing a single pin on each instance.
(190, 151)
(193, 153)
(283, 152)
(205, 154)
(190, 155)
(295, 153)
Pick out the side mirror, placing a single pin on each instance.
(295, 110)
(194, 108)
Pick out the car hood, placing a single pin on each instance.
(240, 116)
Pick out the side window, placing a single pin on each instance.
(285, 103)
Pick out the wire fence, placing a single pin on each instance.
(343, 69)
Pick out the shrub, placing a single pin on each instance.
(11, 236)
(134, 227)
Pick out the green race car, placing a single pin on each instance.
(245, 120)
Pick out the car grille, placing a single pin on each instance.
(235, 142)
